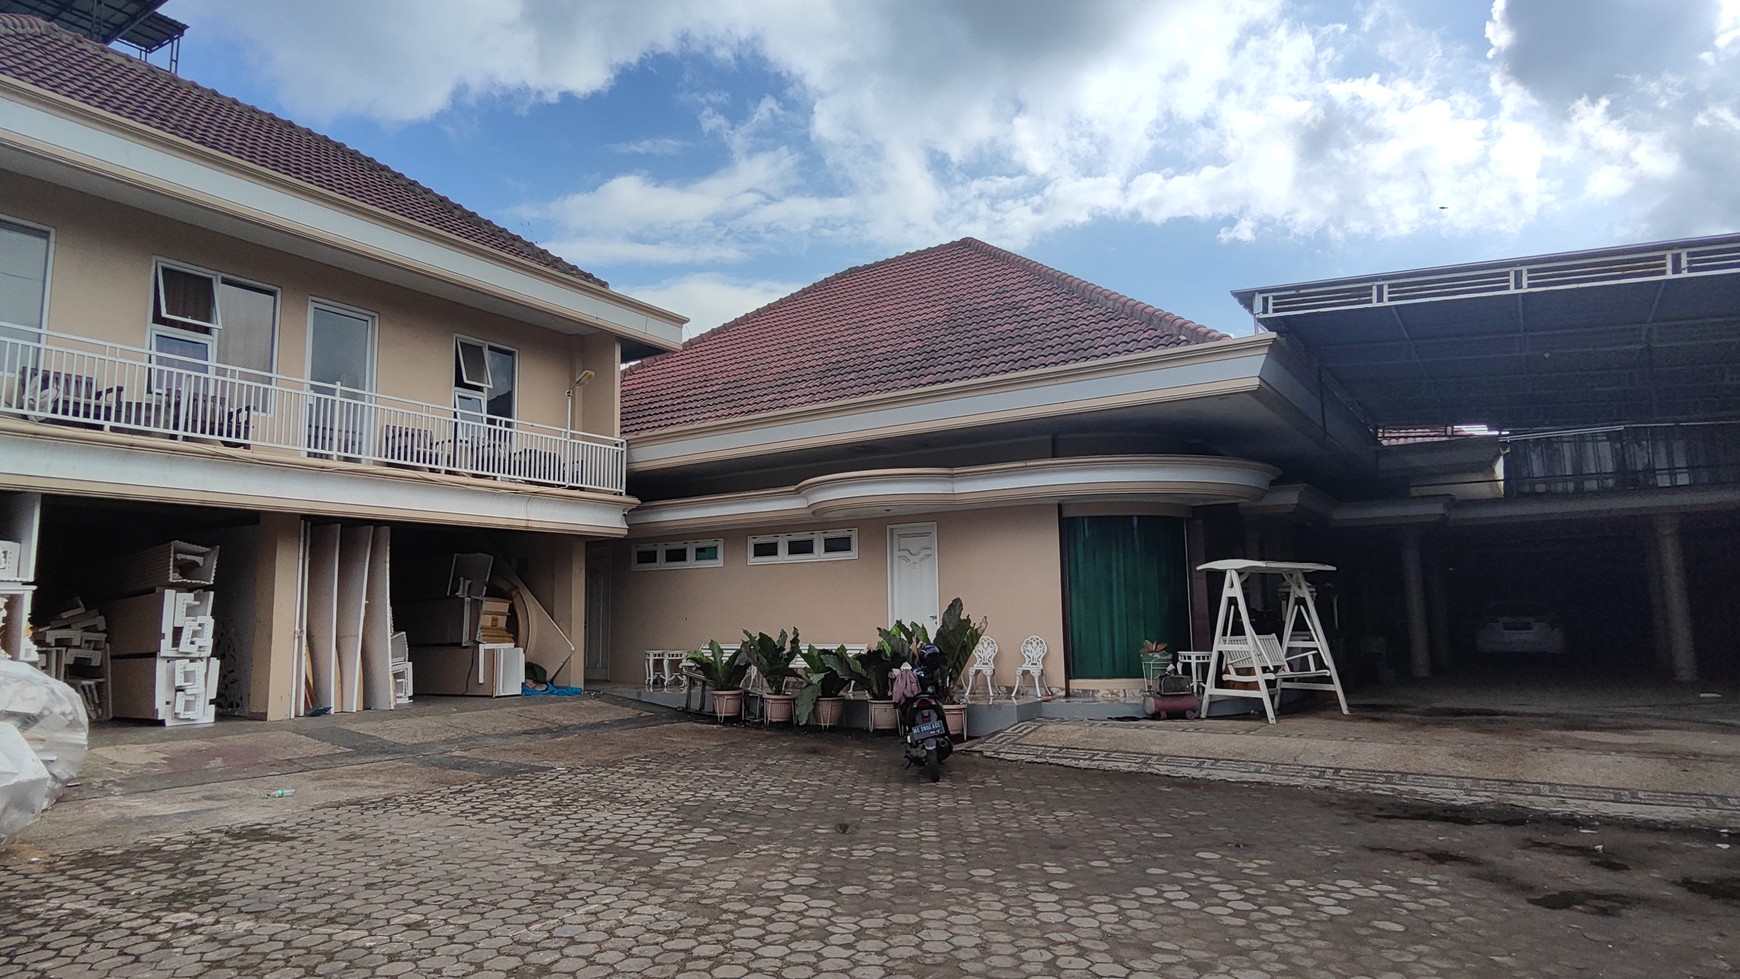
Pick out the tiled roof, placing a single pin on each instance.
(954, 312)
(61, 62)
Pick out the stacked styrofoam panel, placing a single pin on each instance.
(160, 647)
(166, 622)
(177, 564)
(174, 690)
(78, 639)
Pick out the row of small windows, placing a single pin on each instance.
(680, 554)
(815, 545)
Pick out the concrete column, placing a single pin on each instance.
(1414, 588)
(1679, 607)
(272, 682)
(1438, 607)
(1256, 596)
(569, 604)
(1660, 641)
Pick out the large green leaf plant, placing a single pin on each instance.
(827, 672)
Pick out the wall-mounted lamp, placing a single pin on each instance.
(578, 382)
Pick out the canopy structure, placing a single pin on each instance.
(1262, 567)
(1250, 665)
(1626, 335)
(135, 23)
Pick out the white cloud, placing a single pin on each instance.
(710, 299)
(1639, 101)
(908, 122)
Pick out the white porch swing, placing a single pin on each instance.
(1258, 662)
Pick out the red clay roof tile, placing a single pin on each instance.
(960, 311)
(66, 64)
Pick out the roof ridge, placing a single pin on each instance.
(22, 24)
(704, 339)
(1096, 293)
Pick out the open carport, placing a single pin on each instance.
(1561, 431)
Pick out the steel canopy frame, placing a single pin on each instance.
(135, 23)
(1640, 333)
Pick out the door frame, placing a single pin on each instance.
(936, 551)
(372, 322)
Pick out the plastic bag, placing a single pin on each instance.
(23, 783)
(51, 717)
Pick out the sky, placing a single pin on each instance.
(710, 156)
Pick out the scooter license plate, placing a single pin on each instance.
(927, 729)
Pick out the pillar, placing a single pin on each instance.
(569, 604)
(1256, 596)
(272, 681)
(1414, 588)
(1660, 641)
(1437, 607)
(1679, 608)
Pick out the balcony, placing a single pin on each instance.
(1625, 458)
(60, 379)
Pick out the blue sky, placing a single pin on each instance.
(712, 156)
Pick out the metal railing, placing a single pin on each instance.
(53, 377)
(1629, 457)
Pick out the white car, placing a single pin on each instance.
(1523, 628)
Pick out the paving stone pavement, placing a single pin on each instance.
(735, 853)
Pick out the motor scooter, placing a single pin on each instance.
(923, 731)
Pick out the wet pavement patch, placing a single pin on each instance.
(1457, 815)
(1439, 857)
(1596, 854)
(1720, 888)
(1605, 905)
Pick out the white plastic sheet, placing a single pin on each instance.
(24, 783)
(51, 717)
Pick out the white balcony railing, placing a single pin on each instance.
(53, 377)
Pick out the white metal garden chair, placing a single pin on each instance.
(1033, 651)
(984, 665)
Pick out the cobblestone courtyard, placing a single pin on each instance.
(667, 848)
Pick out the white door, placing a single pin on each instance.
(341, 347)
(912, 588)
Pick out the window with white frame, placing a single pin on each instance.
(680, 554)
(485, 379)
(811, 545)
(205, 322)
(23, 284)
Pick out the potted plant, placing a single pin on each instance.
(826, 673)
(772, 658)
(957, 635)
(724, 673)
(892, 650)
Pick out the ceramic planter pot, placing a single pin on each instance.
(882, 715)
(828, 710)
(778, 707)
(955, 716)
(727, 703)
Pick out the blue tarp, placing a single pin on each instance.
(550, 690)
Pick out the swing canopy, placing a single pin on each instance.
(1262, 567)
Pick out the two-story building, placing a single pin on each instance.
(217, 324)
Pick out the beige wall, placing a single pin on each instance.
(1003, 563)
(101, 288)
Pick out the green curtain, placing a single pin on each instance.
(1127, 582)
